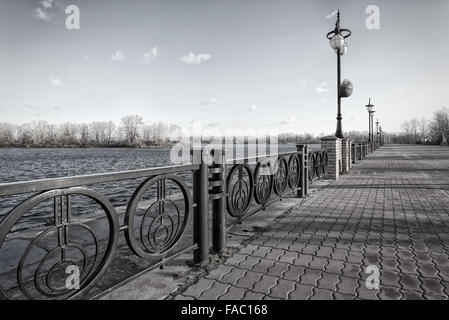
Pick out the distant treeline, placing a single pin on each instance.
(132, 132)
(422, 131)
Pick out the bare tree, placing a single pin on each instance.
(6, 134)
(423, 130)
(439, 126)
(131, 126)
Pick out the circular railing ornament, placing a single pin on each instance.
(324, 161)
(311, 166)
(160, 229)
(294, 171)
(263, 182)
(49, 279)
(240, 188)
(280, 176)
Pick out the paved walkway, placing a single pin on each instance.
(391, 211)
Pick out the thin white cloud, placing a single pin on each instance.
(47, 3)
(208, 101)
(55, 81)
(289, 119)
(192, 59)
(150, 55)
(40, 14)
(304, 83)
(330, 15)
(322, 87)
(28, 107)
(118, 56)
(254, 107)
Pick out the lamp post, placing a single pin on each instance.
(369, 107)
(337, 41)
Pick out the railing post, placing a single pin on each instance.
(306, 170)
(353, 153)
(201, 210)
(218, 195)
(303, 183)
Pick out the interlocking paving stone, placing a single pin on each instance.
(282, 289)
(318, 263)
(288, 257)
(390, 293)
(233, 293)
(249, 262)
(428, 270)
(410, 282)
(217, 289)
(195, 290)
(321, 294)
(432, 286)
(389, 212)
(347, 286)
(303, 260)
(328, 281)
(294, 273)
(301, 292)
(233, 276)
(265, 284)
(411, 295)
(249, 295)
(248, 280)
(263, 265)
(334, 266)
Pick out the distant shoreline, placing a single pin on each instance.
(84, 147)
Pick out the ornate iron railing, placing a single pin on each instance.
(259, 182)
(360, 150)
(61, 229)
(72, 227)
(318, 162)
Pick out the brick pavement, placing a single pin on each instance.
(390, 211)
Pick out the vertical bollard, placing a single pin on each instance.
(301, 192)
(306, 170)
(218, 194)
(201, 211)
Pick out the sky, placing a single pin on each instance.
(227, 63)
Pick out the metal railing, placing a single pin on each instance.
(360, 150)
(256, 183)
(71, 235)
(71, 224)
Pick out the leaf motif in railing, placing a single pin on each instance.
(263, 178)
(280, 176)
(240, 186)
(294, 171)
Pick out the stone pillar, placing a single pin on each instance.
(333, 147)
(345, 155)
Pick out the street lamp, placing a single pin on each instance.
(337, 42)
(369, 107)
